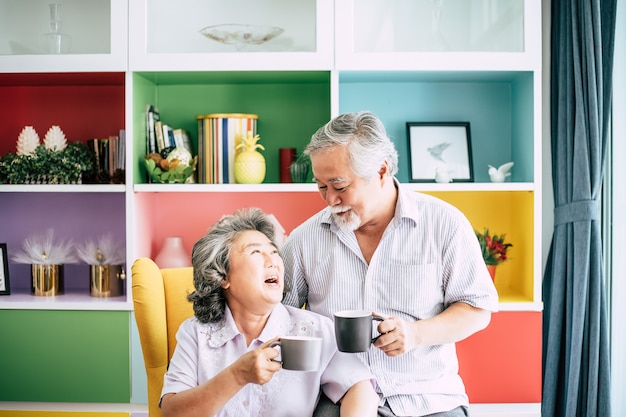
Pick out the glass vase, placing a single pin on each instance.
(300, 169)
(55, 42)
(173, 254)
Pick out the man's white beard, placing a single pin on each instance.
(347, 223)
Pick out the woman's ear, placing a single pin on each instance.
(225, 284)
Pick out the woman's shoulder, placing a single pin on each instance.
(306, 314)
(305, 322)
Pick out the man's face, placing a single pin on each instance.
(351, 198)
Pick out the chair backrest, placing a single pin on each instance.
(160, 304)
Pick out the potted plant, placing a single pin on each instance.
(493, 248)
(52, 162)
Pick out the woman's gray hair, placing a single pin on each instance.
(366, 139)
(210, 258)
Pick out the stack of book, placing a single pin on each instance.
(218, 135)
(162, 138)
(110, 155)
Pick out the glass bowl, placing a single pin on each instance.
(241, 35)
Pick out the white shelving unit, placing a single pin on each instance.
(334, 56)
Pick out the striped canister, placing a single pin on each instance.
(218, 134)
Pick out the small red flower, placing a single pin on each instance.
(493, 247)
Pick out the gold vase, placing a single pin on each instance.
(47, 280)
(106, 280)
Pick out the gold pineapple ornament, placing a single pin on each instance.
(249, 163)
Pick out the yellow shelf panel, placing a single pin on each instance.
(509, 213)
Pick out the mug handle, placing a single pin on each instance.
(275, 343)
(377, 318)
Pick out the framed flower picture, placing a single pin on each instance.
(440, 151)
(4, 270)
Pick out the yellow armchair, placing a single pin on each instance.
(160, 301)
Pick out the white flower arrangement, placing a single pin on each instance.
(102, 251)
(44, 249)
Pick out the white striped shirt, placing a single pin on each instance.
(428, 258)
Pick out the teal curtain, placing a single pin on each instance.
(576, 364)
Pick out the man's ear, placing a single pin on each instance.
(383, 170)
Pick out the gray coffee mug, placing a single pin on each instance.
(353, 330)
(299, 353)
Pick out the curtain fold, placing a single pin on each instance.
(576, 367)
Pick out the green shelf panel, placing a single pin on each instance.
(291, 106)
(65, 356)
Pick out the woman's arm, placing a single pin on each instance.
(208, 398)
(360, 401)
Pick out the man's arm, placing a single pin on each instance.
(455, 323)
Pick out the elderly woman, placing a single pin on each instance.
(222, 365)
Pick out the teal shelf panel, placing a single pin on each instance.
(498, 106)
(65, 356)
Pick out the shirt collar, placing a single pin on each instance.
(405, 208)
(225, 330)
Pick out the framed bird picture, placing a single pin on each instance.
(440, 152)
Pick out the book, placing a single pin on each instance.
(95, 147)
(168, 136)
(121, 153)
(103, 148)
(112, 160)
(151, 145)
(181, 137)
(158, 132)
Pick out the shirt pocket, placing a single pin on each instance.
(409, 291)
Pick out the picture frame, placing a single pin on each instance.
(5, 288)
(440, 152)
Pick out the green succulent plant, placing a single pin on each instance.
(177, 175)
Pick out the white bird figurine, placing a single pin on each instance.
(500, 173)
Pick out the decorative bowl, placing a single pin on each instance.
(240, 35)
(181, 174)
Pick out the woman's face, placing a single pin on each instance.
(256, 278)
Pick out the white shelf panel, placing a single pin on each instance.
(522, 306)
(224, 188)
(477, 410)
(506, 410)
(101, 48)
(67, 301)
(189, 51)
(471, 186)
(75, 407)
(66, 188)
(246, 188)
